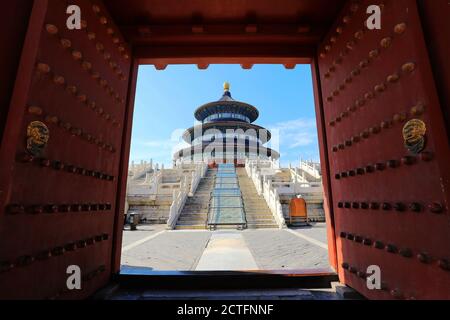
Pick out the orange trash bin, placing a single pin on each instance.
(298, 210)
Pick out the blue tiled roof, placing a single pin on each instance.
(227, 104)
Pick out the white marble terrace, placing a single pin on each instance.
(159, 194)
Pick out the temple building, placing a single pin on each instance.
(226, 178)
(226, 134)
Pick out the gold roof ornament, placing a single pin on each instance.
(226, 86)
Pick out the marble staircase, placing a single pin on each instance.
(195, 211)
(257, 212)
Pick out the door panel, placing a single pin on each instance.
(390, 204)
(58, 198)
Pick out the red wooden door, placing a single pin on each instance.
(61, 154)
(388, 154)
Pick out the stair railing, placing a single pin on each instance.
(209, 204)
(180, 197)
(178, 204)
(208, 211)
(297, 177)
(197, 175)
(244, 213)
(311, 170)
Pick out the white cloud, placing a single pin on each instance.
(301, 122)
(160, 150)
(296, 133)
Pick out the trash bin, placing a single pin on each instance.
(298, 212)
(134, 221)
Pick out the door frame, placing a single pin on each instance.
(282, 54)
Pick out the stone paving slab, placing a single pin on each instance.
(177, 251)
(226, 251)
(281, 250)
(317, 231)
(142, 232)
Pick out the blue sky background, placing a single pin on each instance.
(166, 101)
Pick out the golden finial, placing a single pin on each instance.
(226, 86)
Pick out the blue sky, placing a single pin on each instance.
(166, 101)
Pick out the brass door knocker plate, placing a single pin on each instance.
(38, 135)
(414, 135)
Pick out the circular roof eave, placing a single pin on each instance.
(202, 112)
(188, 135)
(270, 152)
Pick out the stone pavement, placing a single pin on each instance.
(177, 251)
(281, 250)
(143, 231)
(156, 248)
(226, 251)
(317, 231)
